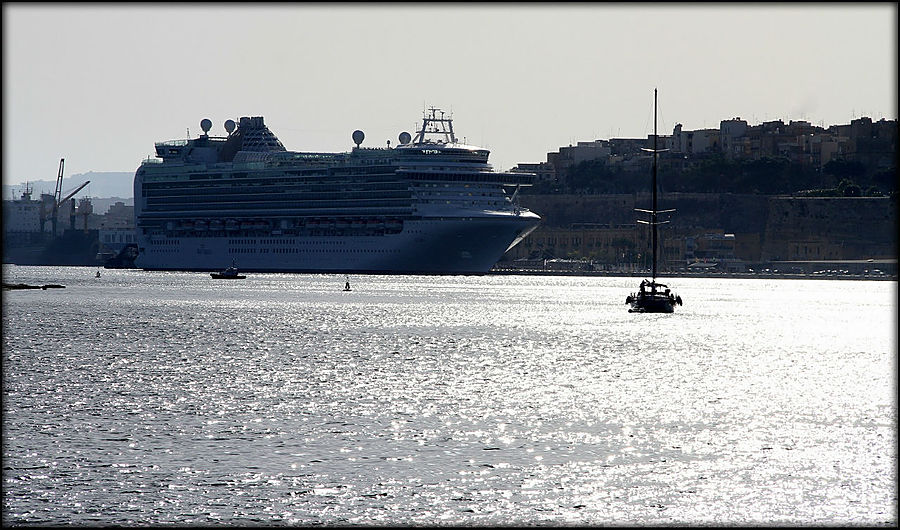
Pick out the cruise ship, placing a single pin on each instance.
(428, 205)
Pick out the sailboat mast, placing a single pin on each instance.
(653, 187)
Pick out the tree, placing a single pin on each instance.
(847, 188)
(841, 168)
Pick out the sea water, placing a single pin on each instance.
(170, 397)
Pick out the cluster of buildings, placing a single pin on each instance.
(29, 222)
(871, 143)
(760, 230)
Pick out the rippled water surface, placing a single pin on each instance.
(153, 397)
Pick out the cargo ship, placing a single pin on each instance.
(429, 205)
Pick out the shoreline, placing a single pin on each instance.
(724, 275)
(610, 274)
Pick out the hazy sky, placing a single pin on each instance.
(98, 84)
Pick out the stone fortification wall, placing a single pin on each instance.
(695, 211)
(765, 227)
(846, 227)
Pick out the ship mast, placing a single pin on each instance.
(434, 125)
(659, 299)
(653, 184)
(654, 211)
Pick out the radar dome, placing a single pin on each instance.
(229, 126)
(206, 125)
(405, 138)
(358, 137)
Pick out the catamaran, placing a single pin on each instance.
(652, 296)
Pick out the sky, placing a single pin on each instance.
(98, 84)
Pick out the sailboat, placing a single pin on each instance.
(652, 296)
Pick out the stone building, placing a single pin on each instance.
(695, 142)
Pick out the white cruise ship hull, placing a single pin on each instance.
(438, 246)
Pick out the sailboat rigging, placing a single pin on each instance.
(653, 297)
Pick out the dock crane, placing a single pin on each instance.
(69, 196)
(58, 201)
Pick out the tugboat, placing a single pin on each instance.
(653, 297)
(231, 273)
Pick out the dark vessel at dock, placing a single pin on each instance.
(72, 248)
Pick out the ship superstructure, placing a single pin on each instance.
(429, 205)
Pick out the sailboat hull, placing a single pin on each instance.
(650, 304)
(653, 298)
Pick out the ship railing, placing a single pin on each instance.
(172, 143)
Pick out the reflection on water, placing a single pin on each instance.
(152, 397)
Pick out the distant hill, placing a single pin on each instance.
(103, 184)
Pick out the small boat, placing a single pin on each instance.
(231, 273)
(653, 297)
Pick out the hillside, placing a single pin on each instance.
(103, 184)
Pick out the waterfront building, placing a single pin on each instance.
(116, 229)
(695, 142)
(543, 171)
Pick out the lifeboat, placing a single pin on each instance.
(357, 224)
(342, 224)
(200, 225)
(231, 224)
(394, 225)
(216, 225)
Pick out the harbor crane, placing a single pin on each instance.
(58, 201)
(69, 196)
